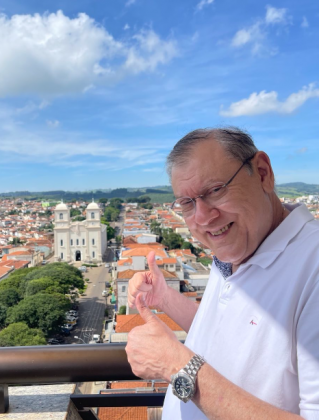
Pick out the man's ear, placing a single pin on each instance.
(265, 172)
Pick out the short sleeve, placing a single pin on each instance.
(308, 354)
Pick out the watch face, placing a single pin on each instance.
(183, 386)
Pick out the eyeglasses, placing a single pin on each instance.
(211, 197)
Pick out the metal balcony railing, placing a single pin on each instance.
(70, 364)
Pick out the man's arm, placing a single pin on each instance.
(155, 353)
(178, 307)
(220, 399)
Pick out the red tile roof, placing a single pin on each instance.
(166, 261)
(128, 274)
(125, 323)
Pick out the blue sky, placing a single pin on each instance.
(95, 93)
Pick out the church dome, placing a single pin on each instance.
(93, 206)
(61, 206)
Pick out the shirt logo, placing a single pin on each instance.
(252, 322)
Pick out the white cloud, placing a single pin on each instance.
(53, 123)
(302, 150)
(249, 35)
(264, 102)
(126, 27)
(275, 16)
(129, 3)
(59, 54)
(304, 23)
(149, 52)
(256, 34)
(203, 3)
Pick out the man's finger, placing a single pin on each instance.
(152, 264)
(145, 312)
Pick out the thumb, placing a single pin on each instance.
(145, 312)
(152, 264)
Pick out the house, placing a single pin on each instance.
(123, 278)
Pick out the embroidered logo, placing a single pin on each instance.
(252, 322)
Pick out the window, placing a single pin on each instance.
(77, 242)
(93, 241)
(61, 216)
(171, 265)
(123, 288)
(61, 255)
(61, 242)
(71, 242)
(92, 215)
(83, 241)
(93, 254)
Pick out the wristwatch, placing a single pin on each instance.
(184, 381)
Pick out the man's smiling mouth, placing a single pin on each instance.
(222, 230)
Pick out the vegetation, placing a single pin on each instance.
(122, 310)
(19, 334)
(109, 229)
(78, 219)
(205, 261)
(33, 301)
(15, 241)
(75, 212)
(111, 214)
(42, 311)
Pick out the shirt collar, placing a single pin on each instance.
(279, 239)
(224, 267)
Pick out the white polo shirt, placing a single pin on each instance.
(259, 327)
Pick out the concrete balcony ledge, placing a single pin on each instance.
(41, 402)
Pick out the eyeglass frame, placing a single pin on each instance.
(193, 200)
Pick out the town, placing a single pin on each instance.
(72, 261)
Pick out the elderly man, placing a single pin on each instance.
(252, 350)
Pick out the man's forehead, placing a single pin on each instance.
(205, 166)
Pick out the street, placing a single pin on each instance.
(91, 306)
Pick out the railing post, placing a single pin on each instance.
(4, 398)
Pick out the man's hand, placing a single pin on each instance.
(153, 350)
(151, 284)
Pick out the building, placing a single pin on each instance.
(79, 241)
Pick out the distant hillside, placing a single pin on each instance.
(157, 194)
(296, 189)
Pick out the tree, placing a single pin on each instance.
(103, 200)
(39, 285)
(156, 227)
(79, 219)
(172, 240)
(9, 297)
(111, 214)
(147, 206)
(118, 239)
(116, 203)
(75, 212)
(64, 275)
(109, 230)
(122, 310)
(145, 199)
(19, 334)
(15, 241)
(42, 310)
(3, 315)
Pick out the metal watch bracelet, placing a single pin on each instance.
(194, 365)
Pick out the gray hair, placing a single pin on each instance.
(237, 143)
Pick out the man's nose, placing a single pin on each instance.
(205, 213)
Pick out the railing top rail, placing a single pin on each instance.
(65, 363)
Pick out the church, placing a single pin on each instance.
(79, 241)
